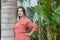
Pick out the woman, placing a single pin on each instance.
(20, 32)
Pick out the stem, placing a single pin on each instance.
(49, 35)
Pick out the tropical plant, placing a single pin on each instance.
(49, 11)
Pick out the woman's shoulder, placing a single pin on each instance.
(27, 19)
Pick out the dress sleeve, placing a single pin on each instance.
(32, 25)
(15, 25)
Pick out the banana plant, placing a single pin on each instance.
(51, 17)
(49, 22)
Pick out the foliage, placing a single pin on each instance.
(50, 11)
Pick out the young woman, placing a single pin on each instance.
(20, 32)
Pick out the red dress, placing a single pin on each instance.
(20, 29)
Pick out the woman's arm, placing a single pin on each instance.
(29, 34)
(32, 26)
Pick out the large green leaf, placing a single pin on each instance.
(38, 10)
(57, 16)
(31, 10)
(57, 3)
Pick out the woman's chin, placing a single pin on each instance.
(20, 15)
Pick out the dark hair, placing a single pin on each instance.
(23, 9)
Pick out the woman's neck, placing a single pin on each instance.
(22, 17)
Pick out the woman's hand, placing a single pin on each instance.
(29, 34)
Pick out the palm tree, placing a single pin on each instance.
(8, 18)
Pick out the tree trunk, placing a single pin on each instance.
(49, 35)
(8, 18)
(58, 31)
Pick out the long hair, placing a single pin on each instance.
(23, 9)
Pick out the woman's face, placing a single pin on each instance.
(20, 12)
